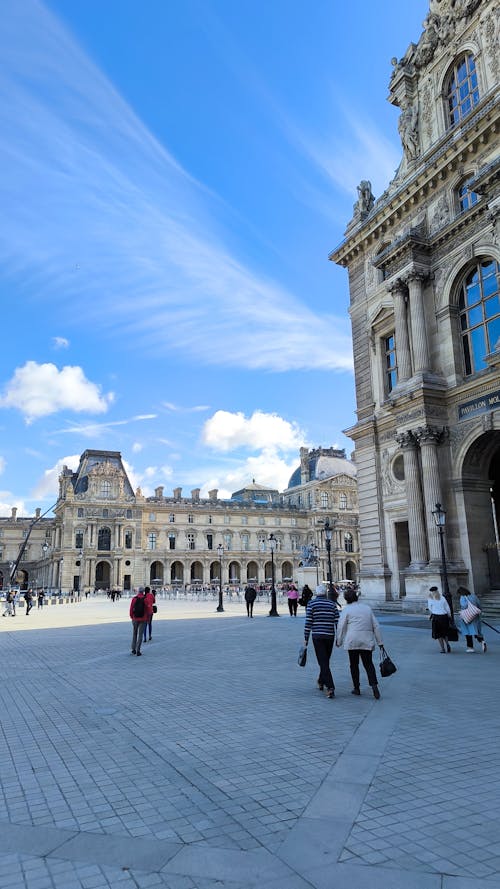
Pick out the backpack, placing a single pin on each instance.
(139, 607)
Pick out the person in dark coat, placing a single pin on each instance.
(140, 611)
(250, 597)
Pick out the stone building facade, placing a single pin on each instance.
(105, 535)
(424, 281)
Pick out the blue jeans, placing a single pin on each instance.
(148, 624)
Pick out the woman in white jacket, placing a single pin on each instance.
(358, 629)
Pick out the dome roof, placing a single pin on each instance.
(323, 463)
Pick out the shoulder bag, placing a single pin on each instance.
(302, 658)
(387, 667)
(469, 613)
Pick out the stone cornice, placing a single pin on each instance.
(441, 160)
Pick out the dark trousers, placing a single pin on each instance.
(366, 659)
(292, 607)
(323, 646)
(470, 640)
(249, 609)
(148, 625)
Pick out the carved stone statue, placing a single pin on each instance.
(309, 556)
(365, 200)
(408, 130)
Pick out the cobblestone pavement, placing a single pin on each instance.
(213, 761)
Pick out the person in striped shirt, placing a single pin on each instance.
(322, 616)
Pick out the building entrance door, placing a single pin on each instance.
(481, 490)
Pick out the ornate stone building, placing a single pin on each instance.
(104, 535)
(424, 282)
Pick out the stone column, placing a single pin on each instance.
(398, 291)
(418, 327)
(429, 437)
(416, 524)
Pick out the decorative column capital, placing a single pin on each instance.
(397, 287)
(415, 276)
(406, 440)
(429, 435)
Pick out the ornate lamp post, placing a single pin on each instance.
(439, 515)
(220, 551)
(328, 541)
(272, 546)
(80, 558)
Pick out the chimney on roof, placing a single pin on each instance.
(37, 512)
(213, 494)
(177, 493)
(195, 494)
(14, 513)
(159, 492)
(304, 466)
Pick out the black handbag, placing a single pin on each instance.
(387, 667)
(155, 609)
(302, 658)
(452, 633)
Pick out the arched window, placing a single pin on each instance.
(104, 539)
(461, 91)
(479, 305)
(466, 197)
(348, 544)
(343, 501)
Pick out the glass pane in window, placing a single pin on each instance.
(490, 285)
(492, 306)
(473, 294)
(477, 340)
(494, 335)
(475, 315)
(467, 361)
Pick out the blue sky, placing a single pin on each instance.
(173, 176)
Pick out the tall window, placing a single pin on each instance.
(79, 540)
(466, 197)
(343, 501)
(324, 498)
(391, 367)
(245, 542)
(210, 541)
(227, 541)
(171, 517)
(171, 541)
(479, 305)
(190, 519)
(151, 540)
(80, 512)
(294, 541)
(105, 489)
(104, 539)
(190, 541)
(348, 544)
(261, 539)
(128, 539)
(462, 91)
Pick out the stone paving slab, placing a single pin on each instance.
(214, 762)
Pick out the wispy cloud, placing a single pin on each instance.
(60, 342)
(93, 430)
(122, 210)
(179, 409)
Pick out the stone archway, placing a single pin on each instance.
(156, 574)
(102, 576)
(481, 520)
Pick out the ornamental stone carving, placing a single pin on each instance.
(429, 435)
(441, 214)
(408, 129)
(406, 440)
(365, 200)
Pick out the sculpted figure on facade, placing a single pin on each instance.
(408, 129)
(365, 200)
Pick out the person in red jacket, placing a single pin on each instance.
(140, 612)
(151, 601)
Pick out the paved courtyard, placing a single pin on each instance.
(213, 761)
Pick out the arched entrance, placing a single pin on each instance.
(479, 529)
(234, 572)
(252, 572)
(156, 574)
(286, 571)
(102, 576)
(196, 573)
(177, 573)
(350, 571)
(215, 571)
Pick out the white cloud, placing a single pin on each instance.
(60, 342)
(49, 483)
(226, 431)
(8, 501)
(38, 390)
(2, 464)
(137, 447)
(142, 224)
(267, 468)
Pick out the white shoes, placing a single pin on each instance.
(469, 651)
(484, 647)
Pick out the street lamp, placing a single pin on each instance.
(45, 571)
(220, 550)
(80, 558)
(272, 546)
(439, 515)
(328, 540)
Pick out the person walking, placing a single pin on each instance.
(28, 598)
(321, 621)
(7, 612)
(293, 599)
(440, 615)
(250, 597)
(40, 599)
(471, 629)
(140, 615)
(306, 595)
(150, 598)
(358, 631)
